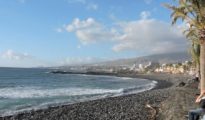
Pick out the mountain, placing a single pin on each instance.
(159, 58)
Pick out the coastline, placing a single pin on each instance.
(122, 107)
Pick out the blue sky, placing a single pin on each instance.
(60, 32)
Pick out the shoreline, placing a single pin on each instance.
(82, 110)
(154, 86)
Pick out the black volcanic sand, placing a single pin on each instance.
(169, 103)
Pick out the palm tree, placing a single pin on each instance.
(193, 12)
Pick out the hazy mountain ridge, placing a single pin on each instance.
(160, 58)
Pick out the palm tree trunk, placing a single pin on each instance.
(198, 77)
(202, 66)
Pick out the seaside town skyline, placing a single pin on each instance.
(60, 32)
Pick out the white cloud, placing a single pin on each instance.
(10, 58)
(150, 36)
(145, 14)
(145, 35)
(92, 6)
(11, 55)
(90, 31)
(77, 24)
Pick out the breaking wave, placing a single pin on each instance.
(36, 92)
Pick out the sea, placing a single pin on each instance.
(32, 88)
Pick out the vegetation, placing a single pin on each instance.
(193, 13)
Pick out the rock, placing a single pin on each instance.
(181, 84)
(192, 83)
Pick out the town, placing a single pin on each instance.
(186, 67)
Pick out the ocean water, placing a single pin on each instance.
(27, 89)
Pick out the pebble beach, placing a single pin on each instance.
(128, 107)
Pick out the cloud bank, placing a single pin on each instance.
(10, 58)
(150, 36)
(145, 35)
(11, 55)
(82, 60)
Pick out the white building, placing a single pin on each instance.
(141, 67)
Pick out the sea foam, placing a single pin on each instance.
(36, 92)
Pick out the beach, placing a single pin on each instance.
(169, 100)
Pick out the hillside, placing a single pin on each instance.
(160, 58)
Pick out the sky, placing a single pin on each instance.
(37, 33)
